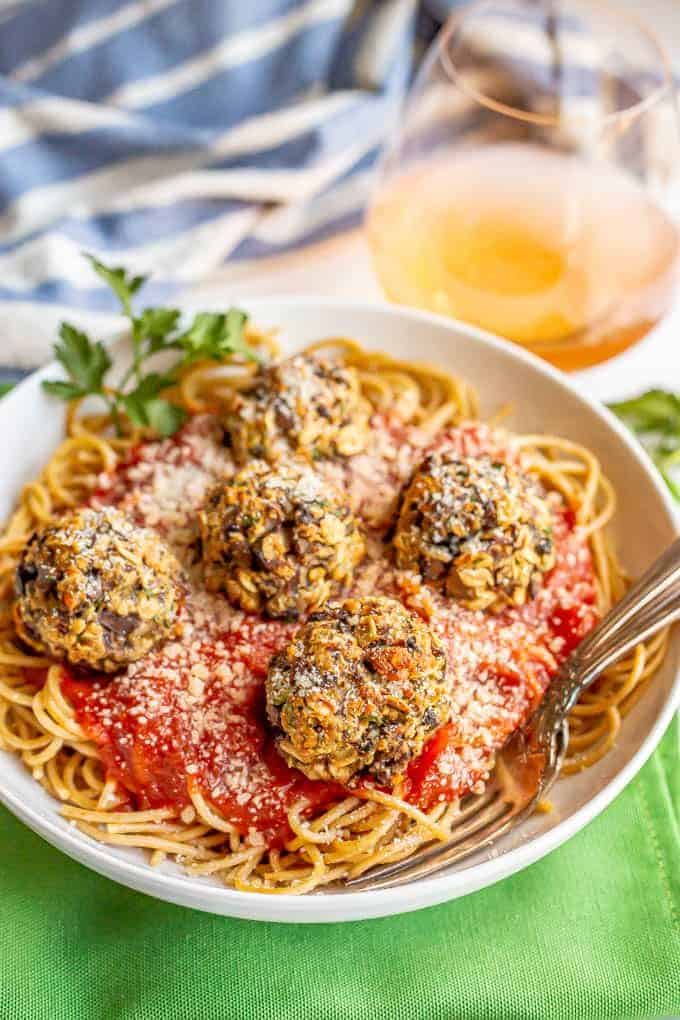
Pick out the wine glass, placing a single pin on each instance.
(528, 188)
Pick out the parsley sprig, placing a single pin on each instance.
(210, 336)
(654, 417)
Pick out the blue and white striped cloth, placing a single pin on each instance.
(173, 135)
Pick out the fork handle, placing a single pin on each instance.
(651, 603)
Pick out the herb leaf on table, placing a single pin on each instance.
(654, 417)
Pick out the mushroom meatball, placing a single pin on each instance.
(306, 404)
(481, 528)
(278, 541)
(93, 588)
(358, 690)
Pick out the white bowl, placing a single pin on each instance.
(543, 400)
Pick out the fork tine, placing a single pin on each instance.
(478, 815)
(476, 803)
(531, 759)
(412, 842)
(441, 855)
(488, 816)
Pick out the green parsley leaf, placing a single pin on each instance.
(214, 335)
(654, 417)
(655, 410)
(203, 337)
(5, 387)
(234, 335)
(143, 407)
(86, 363)
(123, 284)
(63, 390)
(156, 323)
(151, 385)
(135, 409)
(163, 417)
(211, 336)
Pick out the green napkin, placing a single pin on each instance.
(593, 930)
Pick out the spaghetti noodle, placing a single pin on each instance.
(43, 721)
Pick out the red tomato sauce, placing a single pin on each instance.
(191, 715)
(218, 741)
(459, 757)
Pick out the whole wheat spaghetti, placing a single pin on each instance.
(46, 714)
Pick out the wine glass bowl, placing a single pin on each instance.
(525, 189)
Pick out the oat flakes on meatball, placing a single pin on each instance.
(306, 404)
(95, 589)
(480, 528)
(358, 691)
(278, 541)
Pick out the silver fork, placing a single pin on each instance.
(531, 760)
